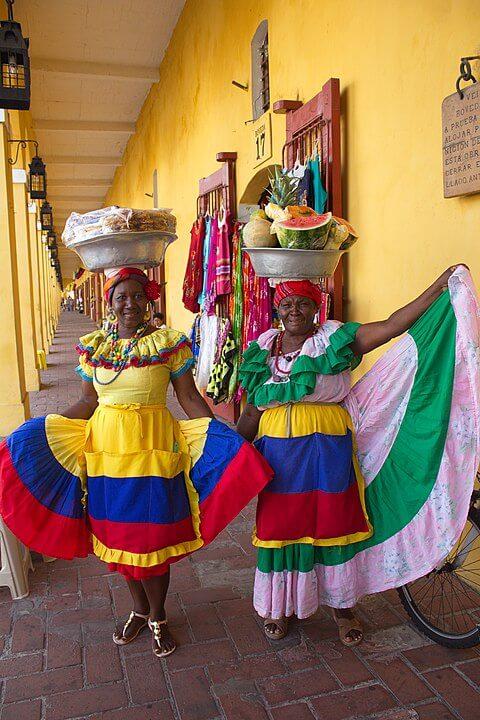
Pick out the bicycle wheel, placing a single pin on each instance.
(445, 604)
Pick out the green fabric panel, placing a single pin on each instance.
(255, 371)
(408, 474)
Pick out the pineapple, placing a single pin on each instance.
(283, 189)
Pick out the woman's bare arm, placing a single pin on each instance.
(86, 406)
(189, 398)
(372, 335)
(249, 421)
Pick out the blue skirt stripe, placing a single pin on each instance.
(41, 473)
(149, 499)
(312, 462)
(221, 446)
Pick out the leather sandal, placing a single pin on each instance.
(119, 638)
(158, 627)
(345, 626)
(281, 624)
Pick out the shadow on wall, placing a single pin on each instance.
(251, 195)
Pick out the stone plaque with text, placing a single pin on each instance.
(461, 142)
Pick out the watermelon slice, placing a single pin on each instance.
(306, 232)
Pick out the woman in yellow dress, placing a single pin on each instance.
(117, 474)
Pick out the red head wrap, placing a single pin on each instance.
(150, 287)
(302, 288)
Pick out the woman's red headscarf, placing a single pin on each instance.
(150, 287)
(302, 288)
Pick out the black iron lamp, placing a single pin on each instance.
(46, 216)
(15, 64)
(37, 180)
(37, 177)
(51, 240)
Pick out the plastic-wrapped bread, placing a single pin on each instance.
(127, 219)
(83, 227)
(106, 221)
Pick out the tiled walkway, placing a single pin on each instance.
(58, 662)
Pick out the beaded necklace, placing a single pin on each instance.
(280, 375)
(119, 356)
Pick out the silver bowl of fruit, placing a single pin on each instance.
(283, 263)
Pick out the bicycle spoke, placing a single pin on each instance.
(461, 608)
(424, 587)
(467, 590)
(446, 602)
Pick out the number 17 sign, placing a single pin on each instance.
(262, 136)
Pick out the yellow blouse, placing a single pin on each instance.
(154, 360)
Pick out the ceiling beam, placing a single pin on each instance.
(85, 126)
(88, 202)
(83, 160)
(72, 199)
(91, 70)
(78, 183)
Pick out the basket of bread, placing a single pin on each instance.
(120, 237)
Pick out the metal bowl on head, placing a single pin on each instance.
(123, 249)
(284, 263)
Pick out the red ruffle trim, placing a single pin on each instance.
(142, 361)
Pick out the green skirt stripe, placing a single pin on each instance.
(408, 474)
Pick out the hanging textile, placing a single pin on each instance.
(210, 288)
(320, 195)
(305, 194)
(223, 284)
(193, 281)
(324, 309)
(195, 338)
(208, 337)
(218, 383)
(257, 303)
(236, 305)
(205, 258)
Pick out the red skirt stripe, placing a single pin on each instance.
(45, 531)
(320, 515)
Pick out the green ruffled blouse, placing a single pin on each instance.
(336, 358)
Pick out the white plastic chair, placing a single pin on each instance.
(15, 562)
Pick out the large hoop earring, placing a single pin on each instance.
(148, 317)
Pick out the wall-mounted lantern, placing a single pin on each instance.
(15, 64)
(51, 240)
(46, 216)
(37, 176)
(37, 181)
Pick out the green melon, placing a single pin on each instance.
(307, 232)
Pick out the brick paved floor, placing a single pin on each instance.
(58, 662)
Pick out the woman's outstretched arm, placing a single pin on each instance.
(372, 335)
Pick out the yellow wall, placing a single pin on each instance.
(396, 61)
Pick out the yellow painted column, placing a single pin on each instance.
(48, 318)
(43, 290)
(37, 306)
(14, 408)
(20, 203)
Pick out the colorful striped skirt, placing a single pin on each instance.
(132, 485)
(415, 420)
